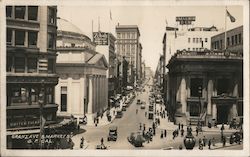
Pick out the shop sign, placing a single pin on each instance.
(24, 123)
(100, 38)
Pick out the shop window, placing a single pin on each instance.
(9, 64)
(222, 86)
(232, 39)
(50, 66)
(9, 36)
(19, 64)
(51, 41)
(239, 38)
(63, 99)
(236, 39)
(32, 65)
(49, 95)
(19, 37)
(34, 95)
(20, 12)
(32, 38)
(8, 11)
(32, 13)
(196, 87)
(19, 95)
(52, 16)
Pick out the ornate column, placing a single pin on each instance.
(214, 112)
(183, 94)
(210, 87)
(90, 103)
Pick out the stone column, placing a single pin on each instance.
(90, 103)
(210, 87)
(214, 112)
(183, 94)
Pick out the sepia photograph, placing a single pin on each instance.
(147, 79)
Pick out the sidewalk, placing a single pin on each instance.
(219, 146)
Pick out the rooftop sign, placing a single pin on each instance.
(185, 20)
(100, 38)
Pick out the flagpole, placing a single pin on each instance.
(225, 29)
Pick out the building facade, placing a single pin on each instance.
(128, 45)
(83, 83)
(205, 86)
(105, 44)
(31, 57)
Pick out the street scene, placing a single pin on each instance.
(121, 79)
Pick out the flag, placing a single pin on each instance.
(232, 19)
(110, 15)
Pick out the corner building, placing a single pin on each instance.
(83, 84)
(31, 57)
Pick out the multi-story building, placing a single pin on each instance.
(148, 72)
(105, 44)
(128, 45)
(31, 57)
(143, 65)
(82, 89)
(207, 85)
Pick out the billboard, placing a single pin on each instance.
(100, 38)
(185, 20)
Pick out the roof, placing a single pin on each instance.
(96, 58)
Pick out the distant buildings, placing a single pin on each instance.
(128, 45)
(83, 83)
(207, 85)
(31, 77)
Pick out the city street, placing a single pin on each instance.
(130, 122)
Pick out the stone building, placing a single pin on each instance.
(83, 86)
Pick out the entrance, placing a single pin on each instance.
(222, 114)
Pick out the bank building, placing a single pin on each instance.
(82, 89)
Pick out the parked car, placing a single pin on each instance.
(136, 139)
(138, 102)
(112, 136)
(118, 114)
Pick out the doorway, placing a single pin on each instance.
(222, 114)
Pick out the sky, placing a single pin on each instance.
(151, 21)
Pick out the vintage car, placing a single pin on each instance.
(118, 114)
(138, 102)
(136, 139)
(150, 115)
(112, 136)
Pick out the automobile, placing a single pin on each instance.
(118, 114)
(151, 108)
(136, 139)
(138, 102)
(143, 106)
(235, 137)
(112, 136)
(123, 108)
(158, 101)
(150, 115)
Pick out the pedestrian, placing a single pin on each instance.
(180, 147)
(165, 133)
(140, 126)
(161, 134)
(179, 126)
(146, 114)
(197, 131)
(213, 141)
(102, 144)
(224, 141)
(159, 121)
(173, 135)
(204, 141)
(136, 111)
(144, 127)
(182, 132)
(78, 128)
(209, 144)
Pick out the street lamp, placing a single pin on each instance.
(41, 104)
(200, 95)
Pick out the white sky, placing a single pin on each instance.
(151, 21)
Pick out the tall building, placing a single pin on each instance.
(128, 45)
(31, 76)
(82, 89)
(207, 85)
(105, 44)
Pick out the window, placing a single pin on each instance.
(232, 39)
(9, 36)
(32, 13)
(64, 99)
(128, 35)
(19, 64)
(9, 64)
(133, 35)
(228, 41)
(223, 86)
(196, 87)
(193, 49)
(221, 44)
(189, 40)
(51, 41)
(8, 11)
(188, 49)
(123, 35)
(200, 39)
(32, 65)
(20, 12)
(118, 35)
(50, 66)
(32, 37)
(52, 16)
(19, 95)
(193, 40)
(73, 44)
(49, 95)
(19, 37)
(236, 39)
(33, 94)
(205, 39)
(239, 38)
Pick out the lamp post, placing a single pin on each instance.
(41, 104)
(200, 95)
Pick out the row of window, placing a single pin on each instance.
(197, 40)
(17, 37)
(126, 35)
(195, 49)
(27, 65)
(28, 94)
(29, 13)
(126, 48)
(231, 41)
